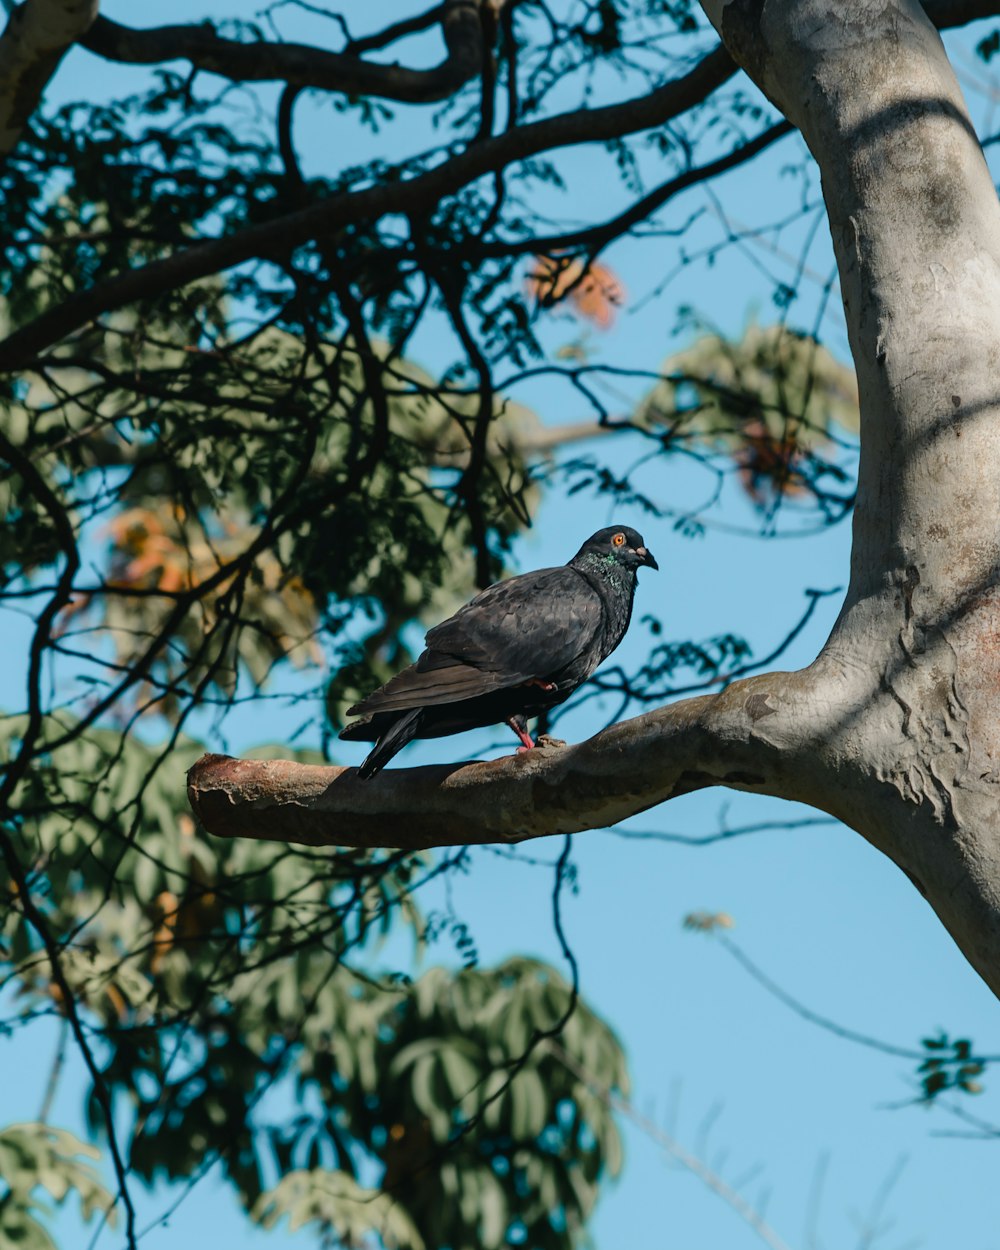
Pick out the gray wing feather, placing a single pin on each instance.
(527, 628)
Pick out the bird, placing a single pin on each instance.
(518, 648)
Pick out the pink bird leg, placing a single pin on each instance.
(522, 734)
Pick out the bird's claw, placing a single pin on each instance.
(547, 686)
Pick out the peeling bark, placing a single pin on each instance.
(894, 728)
(34, 41)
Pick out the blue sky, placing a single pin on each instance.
(727, 1069)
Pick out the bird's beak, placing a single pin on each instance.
(647, 558)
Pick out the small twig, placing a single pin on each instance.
(58, 1062)
(616, 1102)
(723, 835)
(824, 1022)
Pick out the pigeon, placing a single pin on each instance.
(517, 649)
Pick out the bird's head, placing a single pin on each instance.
(619, 543)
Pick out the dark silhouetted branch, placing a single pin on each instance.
(299, 65)
(414, 195)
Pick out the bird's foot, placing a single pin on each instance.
(547, 686)
(523, 750)
(547, 740)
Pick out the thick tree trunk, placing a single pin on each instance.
(893, 729)
(906, 723)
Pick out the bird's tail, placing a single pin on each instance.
(394, 739)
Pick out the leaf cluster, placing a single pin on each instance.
(36, 1157)
(211, 971)
(775, 402)
(950, 1065)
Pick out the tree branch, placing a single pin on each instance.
(33, 43)
(751, 1215)
(949, 13)
(711, 740)
(299, 65)
(394, 195)
(391, 195)
(596, 238)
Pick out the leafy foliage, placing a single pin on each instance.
(37, 1157)
(950, 1066)
(775, 402)
(225, 966)
(339, 1207)
(593, 290)
(707, 921)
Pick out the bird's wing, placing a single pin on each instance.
(529, 626)
(419, 686)
(524, 629)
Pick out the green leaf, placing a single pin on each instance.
(36, 1157)
(338, 1206)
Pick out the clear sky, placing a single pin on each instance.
(811, 1127)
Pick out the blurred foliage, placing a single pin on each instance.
(594, 290)
(775, 402)
(487, 1139)
(36, 1157)
(707, 921)
(339, 1208)
(223, 967)
(989, 46)
(950, 1067)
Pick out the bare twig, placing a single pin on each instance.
(696, 1166)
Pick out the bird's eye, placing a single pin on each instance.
(619, 540)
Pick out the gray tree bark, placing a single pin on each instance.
(893, 729)
(34, 41)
